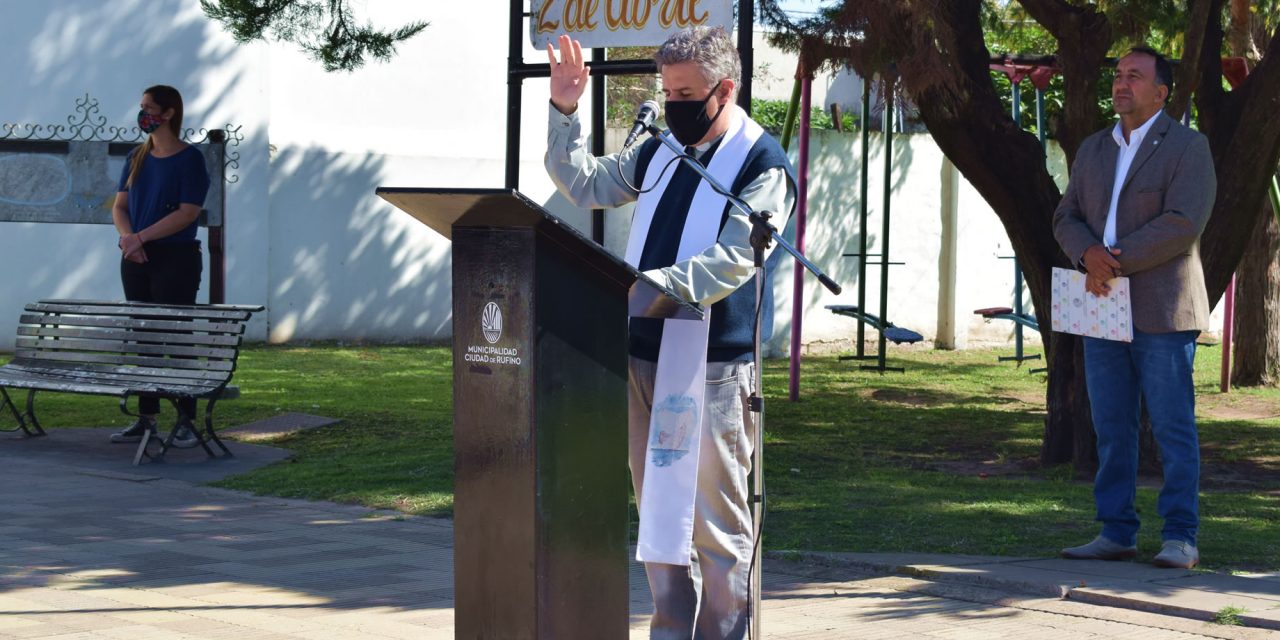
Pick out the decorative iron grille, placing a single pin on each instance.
(87, 124)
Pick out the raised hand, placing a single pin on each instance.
(568, 75)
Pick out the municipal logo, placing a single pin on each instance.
(491, 322)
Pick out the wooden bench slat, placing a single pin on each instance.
(251, 308)
(228, 328)
(128, 378)
(122, 338)
(147, 372)
(142, 361)
(137, 384)
(135, 311)
(102, 389)
(56, 382)
(123, 347)
(12, 381)
(125, 334)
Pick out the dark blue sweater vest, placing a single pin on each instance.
(732, 319)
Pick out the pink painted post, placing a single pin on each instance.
(802, 205)
(1228, 333)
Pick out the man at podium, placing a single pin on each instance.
(691, 434)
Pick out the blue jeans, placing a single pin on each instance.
(1157, 365)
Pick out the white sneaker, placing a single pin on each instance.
(1176, 554)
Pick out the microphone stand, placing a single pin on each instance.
(762, 234)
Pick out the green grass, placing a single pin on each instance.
(1228, 616)
(942, 458)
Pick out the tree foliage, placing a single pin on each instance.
(325, 29)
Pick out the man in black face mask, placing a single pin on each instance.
(691, 436)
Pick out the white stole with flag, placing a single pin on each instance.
(675, 423)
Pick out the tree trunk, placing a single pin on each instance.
(1084, 35)
(1244, 136)
(1068, 425)
(1257, 315)
(1240, 35)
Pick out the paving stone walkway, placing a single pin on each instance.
(130, 553)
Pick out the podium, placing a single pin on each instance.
(540, 413)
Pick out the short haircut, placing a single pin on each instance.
(709, 48)
(1164, 70)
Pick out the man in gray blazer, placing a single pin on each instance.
(1139, 197)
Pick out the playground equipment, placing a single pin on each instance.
(804, 83)
(801, 107)
(878, 321)
(1040, 73)
(1006, 313)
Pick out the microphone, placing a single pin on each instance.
(644, 119)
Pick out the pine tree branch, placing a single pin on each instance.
(325, 29)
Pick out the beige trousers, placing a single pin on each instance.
(707, 600)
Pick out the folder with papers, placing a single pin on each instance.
(1077, 311)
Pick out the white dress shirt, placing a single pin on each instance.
(1124, 158)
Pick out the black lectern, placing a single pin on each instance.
(540, 413)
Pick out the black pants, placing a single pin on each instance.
(171, 275)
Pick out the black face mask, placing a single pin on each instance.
(687, 119)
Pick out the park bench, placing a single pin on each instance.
(124, 349)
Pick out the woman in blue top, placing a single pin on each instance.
(161, 192)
